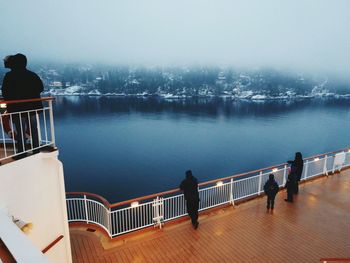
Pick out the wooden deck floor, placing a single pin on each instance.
(316, 226)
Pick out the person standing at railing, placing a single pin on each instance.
(271, 189)
(297, 165)
(189, 186)
(21, 84)
(290, 185)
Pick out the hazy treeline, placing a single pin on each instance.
(184, 81)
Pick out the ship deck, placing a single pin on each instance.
(315, 226)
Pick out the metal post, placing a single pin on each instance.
(232, 201)
(306, 169)
(52, 127)
(38, 127)
(156, 212)
(30, 130)
(109, 215)
(325, 166)
(3, 136)
(161, 212)
(86, 210)
(22, 130)
(13, 135)
(260, 182)
(284, 175)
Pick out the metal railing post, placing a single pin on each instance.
(52, 127)
(38, 127)
(284, 175)
(232, 201)
(158, 209)
(325, 165)
(306, 169)
(260, 182)
(109, 215)
(161, 211)
(86, 210)
(3, 136)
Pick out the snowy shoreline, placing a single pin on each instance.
(248, 95)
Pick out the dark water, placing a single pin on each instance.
(127, 147)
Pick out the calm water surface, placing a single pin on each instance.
(122, 148)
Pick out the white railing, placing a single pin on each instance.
(154, 210)
(38, 127)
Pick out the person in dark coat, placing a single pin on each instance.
(290, 185)
(22, 84)
(298, 165)
(271, 189)
(189, 186)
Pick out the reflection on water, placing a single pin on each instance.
(210, 107)
(127, 147)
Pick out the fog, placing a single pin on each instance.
(303, 35)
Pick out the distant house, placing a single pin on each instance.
(221, 78)
(56, 84)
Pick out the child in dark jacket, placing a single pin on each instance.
(271, 188)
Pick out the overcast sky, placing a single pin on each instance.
(305, 34)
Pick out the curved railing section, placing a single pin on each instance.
(36, 122)
(153, 210)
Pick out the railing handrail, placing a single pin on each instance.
(38, 127)
(176, 190)
(26, 100)
(96, 196)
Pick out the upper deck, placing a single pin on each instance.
(315, 226)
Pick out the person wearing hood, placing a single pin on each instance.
(8, 62)
(297, 165)
(271, 189)
(290, 184)
(22, 84)
(189, 186)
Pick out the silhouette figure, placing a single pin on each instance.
(271, 189)
(21, 84)
(297, 165)
(290, 185)
(190, 188)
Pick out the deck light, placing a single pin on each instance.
(25, 227)
(134, 204)
(274, 170)
(219, 183)
(316, 159)
(3, 105)
(349, 151)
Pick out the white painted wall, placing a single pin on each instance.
(32, 189)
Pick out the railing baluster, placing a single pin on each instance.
(86, 210)
(13, 135)
(38, 127)
(30, 130)
(3, 135)
(22, 130)
(284, 175)
(325, 171)
(45, 127)
(231, 192)
(260, 182)
(52, 125)
(306, 169)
